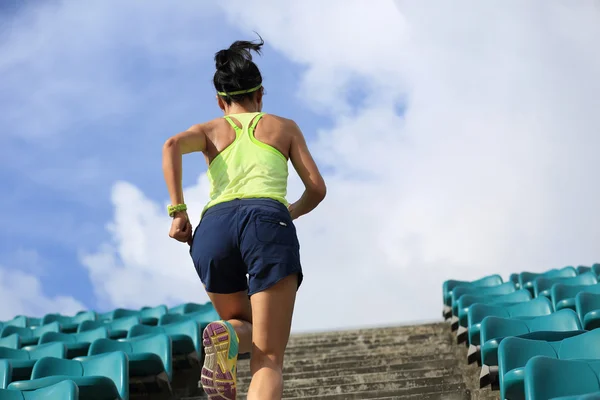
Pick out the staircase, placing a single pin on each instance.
(405, 362)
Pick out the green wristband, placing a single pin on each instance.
(177, 208)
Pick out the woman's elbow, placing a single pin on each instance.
(170, 144)
(319, 191)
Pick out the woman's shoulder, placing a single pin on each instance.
(279, 121)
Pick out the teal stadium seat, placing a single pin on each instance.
(117, 328)
(149, 356)
(29, 336)
(514, 278)
(556, 326)
(22, 361)
(100, 377)
(550, 378)
(526, 278)
(582, 269)
(563, 296)
(203, 318)
(542, 285)
(11, 341)
(185, 336)
(449, 285)
(147, 315)
(69, 324)
(460, 291)
(514, 352)
(188, 308)
(589, 396)
(23, 322)
(467, 300)
(478, 312)
(65, 390)
(587, 306)
(77, 344)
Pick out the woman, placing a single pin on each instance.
(246, 227)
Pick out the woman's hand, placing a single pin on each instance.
(181, 228)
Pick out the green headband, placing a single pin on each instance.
(254, 89)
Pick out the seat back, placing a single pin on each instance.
(458, 292)
(546, 378)
(50, 327)
(468, 300)
(64, 390)
(13, 354)
(532, 308)
(50, 337)
(584, 303)
(91, 335)
(84, 316)
(139, 330)
(48, 366)
(5, 373)
(497, 327)
(560, 321)
(159, 344)
(526, 278)
(19, 321)
(562, 291)
(101, 346)
(125, 323)
(188, 328)
(477, 312)
(585, 346)
(56, 350)
(154, 312)
(514, 352)
(582, 269)
(12, 341)
(187, 308)
(514, 278)
(596, 269)
(542, 285)
(113, 365)
(89, 325)
(23, 332)
(124, 312)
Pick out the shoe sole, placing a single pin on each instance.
(217, 381)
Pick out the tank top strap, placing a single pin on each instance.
(255, 121)
(236, 128)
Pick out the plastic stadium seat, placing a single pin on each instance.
(513, 354)
(449, 285)
(147, 315)
(582, 269)
(547, 327)
(77, 344)
(549, 378)
(117, 329)
(29, 336)
(22, 322)
(104, 376)
(204, 317)
(526, 278)
(596, 269)
(69, 324)
(188, 308)
(589, 396)
(542, 285)
(65, 390)
(148, 355)
(22, 361)
(185, 336)
(478, 312)
(467, 300)
(458, 292)
(563, 296)
(11, 341)
(587, 306)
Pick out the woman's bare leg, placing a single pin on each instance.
(272, 311)
(236, 309)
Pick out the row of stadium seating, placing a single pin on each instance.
(114, 355)
(536, 336)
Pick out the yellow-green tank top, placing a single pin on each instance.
(247, 168)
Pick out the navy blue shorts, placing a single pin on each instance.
(254, 237)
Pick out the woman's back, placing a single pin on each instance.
(247, 155)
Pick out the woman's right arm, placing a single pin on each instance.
(304, 164)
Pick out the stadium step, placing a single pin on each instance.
(418, 362)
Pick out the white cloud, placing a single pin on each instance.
(491, 169)
(21, 294)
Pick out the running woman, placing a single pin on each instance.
(246, 228)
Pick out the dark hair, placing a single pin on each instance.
(236, 71)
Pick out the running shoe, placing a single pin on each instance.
(219, 372)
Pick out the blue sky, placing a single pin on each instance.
(456, 141)
(60, 175)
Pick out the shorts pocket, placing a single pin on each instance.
(274, 229)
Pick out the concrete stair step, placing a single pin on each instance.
(349, 346)
(458, 394)
(377, 389)
(290, 367)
